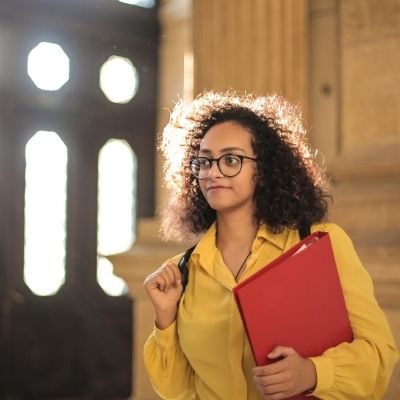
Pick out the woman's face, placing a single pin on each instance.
(222, 193)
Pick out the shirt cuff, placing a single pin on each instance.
(166, 337)
(324, 369)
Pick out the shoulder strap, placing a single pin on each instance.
(182, 265)
(304, 231)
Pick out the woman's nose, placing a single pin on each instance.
(214, 170)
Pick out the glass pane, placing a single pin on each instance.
(45, 213)
(119, 79)
(140, 3)
(111, 284)
(116, 203)
(48, 66)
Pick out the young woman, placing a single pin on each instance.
(242, 180)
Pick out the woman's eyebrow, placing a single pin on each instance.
(224, 150)
(207, 151)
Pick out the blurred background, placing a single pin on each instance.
(86, 85)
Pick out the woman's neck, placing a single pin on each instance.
(236, 230)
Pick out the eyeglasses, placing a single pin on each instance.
(229, 165)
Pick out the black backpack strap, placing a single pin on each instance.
(182, 265)
(304, 230)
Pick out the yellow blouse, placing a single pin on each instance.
(205, 354)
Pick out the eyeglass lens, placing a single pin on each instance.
(229, 165)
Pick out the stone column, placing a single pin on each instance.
(176, 70)
(146, 255)
(259, 46)
(148, 252)
(354, 108)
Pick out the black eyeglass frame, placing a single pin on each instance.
(217, 160)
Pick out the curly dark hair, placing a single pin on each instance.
(290, 188)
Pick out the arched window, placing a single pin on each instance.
(116, 215)
(45, 213)
(48, 66)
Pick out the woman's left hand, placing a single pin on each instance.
(290, 375)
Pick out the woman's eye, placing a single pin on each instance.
(203, 162)
(231, 160)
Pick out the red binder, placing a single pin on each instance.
(295, 301)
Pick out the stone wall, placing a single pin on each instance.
(355, 105)
(340, 60)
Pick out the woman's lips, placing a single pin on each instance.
(216, 188)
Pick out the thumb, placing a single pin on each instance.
(281, 352)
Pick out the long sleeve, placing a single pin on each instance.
(169, 371)
(361, 369)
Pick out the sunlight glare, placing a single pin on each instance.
(111, 284)
(45, 213)
(140, 3)
(116, 206)
(119, 79)
(48, 66)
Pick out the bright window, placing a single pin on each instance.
(45, 213)
(48, 66)
(119, 79)
(116, 208)
(140, 3)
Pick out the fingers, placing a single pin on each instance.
(289, 376)
(274, 381)
(267, 380)
(272, 392)
(281, 351)
(272, 387)
(170, 277)
(164, 278)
